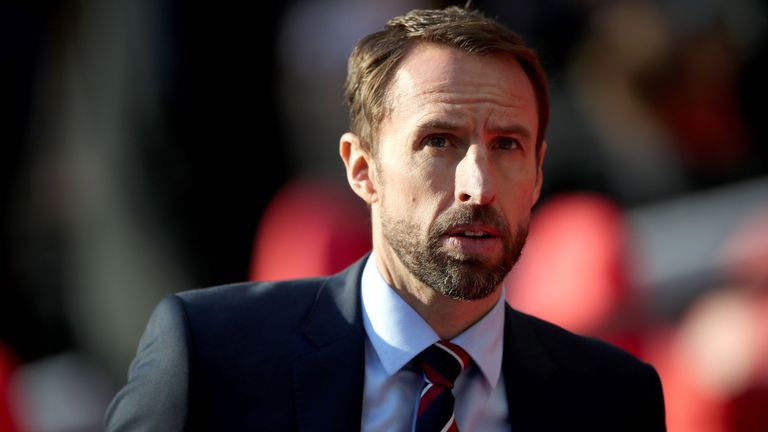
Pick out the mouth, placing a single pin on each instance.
(473, 232)
(472, 241)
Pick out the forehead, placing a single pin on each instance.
(432, 74)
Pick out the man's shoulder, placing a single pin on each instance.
(274, 300)
(566, 377)
(579, 353)
(237, 293)
(272, 294)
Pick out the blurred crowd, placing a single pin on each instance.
(155, 146)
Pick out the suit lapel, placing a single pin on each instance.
(328, 379)
(527, 372)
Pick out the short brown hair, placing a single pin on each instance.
(375, 58)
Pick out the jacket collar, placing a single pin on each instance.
(328, 378)
(528, 370)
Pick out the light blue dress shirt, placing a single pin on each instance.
(396, 334)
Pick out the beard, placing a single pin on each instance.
(454, 274)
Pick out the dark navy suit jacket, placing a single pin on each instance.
(288, 356)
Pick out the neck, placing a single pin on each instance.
(447, 316)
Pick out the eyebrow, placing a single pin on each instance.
(439, 125)
(511, 129)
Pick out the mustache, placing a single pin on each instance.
(470, 215)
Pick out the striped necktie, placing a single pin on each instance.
(441, 363)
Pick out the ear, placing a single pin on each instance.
(539, 172)
(359, 166)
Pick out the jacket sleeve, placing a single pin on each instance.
(155, 397)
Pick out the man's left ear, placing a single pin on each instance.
(539, 172)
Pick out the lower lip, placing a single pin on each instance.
(472, 245)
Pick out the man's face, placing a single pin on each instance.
(456, 169)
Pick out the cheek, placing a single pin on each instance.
(517, 191)
(436, 178)
(517, 203)
(414, 198)
(417, 187)
(415, 178)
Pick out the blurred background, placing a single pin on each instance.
(157, 146)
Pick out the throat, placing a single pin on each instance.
(447, 316)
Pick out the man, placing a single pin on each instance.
(448, 111)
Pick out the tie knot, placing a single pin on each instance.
(443, 362)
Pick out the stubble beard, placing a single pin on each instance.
(454, 275)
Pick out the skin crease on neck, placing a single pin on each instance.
(461, 131)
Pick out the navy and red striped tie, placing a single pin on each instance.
(441, 363)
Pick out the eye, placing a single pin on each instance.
(438, 141)
(506, 143)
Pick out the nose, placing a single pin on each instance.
(474, 177)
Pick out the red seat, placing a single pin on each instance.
(572, 270)
(310, 228)
(7, 366)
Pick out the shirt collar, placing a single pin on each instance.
(398, 333)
